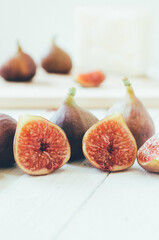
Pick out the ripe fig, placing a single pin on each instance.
(75, 121)
(20, 68)
(7, 131)
(57, 61)
(40, 146)
(148, 154)
(92, 79)
(135, 115)
(109, 144)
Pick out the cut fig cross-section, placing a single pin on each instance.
(40, 147)
(148, 155)
(109, 144)
(92, 79)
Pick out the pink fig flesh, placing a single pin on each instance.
(109, 144)
(148, 155)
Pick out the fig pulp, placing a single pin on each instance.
(92, 79)
(40, 147)
(57, 61)
(7, 131)
(135, 115)
(148, 154)
(20, 68)
(75, 121)
(109, 144)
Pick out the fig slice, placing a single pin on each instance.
(148, 154)
(40, 147)
(92, 79)
(109, 144)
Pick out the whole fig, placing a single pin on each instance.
(7, 131)
(135, 115)
(56, 60)
(75, 121)
(20, 68)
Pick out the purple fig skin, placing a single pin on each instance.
(135, 115)
(57, 61)
(20, 68)
(75, 121)
(7, 131)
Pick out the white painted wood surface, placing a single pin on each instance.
(48, 90)
(79, 202)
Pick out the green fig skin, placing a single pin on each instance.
(75, 121)
(7, 131)
(20, 68)
(57, 61)
(135, 115)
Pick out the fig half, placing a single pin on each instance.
(20, 68)
(109, 144)
(135, 115)
(40, 147)
(92, 79)
(75, 121)
(148, 154)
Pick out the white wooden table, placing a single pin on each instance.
(79, 202)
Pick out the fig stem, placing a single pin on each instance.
(54, 40)
(19, 47)
(126, 82)
(72, 91)
(129, 88)
(70, 96)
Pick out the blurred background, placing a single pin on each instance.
(35, 22)
(116, 36)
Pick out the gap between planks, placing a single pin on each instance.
(42, 205)
(123, 207)
(79, 208)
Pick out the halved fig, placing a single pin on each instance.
(109, 144)
(92, 79)
(148, 154)
(40, 146)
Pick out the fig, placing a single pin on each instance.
(75, 121)
(56, 60)
(109, 145)
(148, 154)
(135, 115)
(40, 147)
(7, 131)
(92, 79)
(20, 68)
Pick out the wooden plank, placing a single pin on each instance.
(8, 177)
(48, 90)
(125, 206)
(79, 201)
(38, 207)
